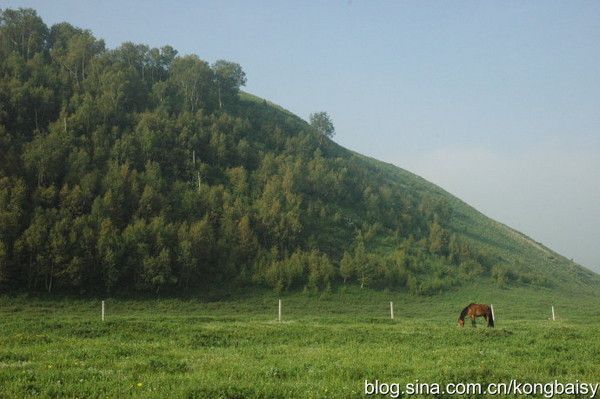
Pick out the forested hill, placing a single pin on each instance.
(138, 169)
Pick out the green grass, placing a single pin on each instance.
(327, 345)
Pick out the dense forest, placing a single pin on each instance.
(139, 169)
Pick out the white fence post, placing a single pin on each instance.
(392, 309)
(279, 313)
(493, 316)
(553, 317)
(102, 310)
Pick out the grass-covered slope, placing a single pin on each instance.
(513, 257)
(518, 252)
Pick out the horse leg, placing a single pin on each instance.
(473, 321)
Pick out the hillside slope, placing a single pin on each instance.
(519, 252)
(136, 169)
(520, 255)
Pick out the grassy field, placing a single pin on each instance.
(326, 346)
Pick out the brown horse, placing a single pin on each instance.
(475, 310)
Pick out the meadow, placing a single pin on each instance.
(232, 346)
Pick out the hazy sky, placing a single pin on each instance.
(497, 102)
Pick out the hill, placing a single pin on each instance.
(136, 169)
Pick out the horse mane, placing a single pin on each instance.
(463, 313)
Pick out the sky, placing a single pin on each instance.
(496, 102)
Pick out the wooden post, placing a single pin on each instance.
(279, 313)
(199, 182)
(102, 310)
(194, 156)
(392, 310)
(553, 317)
(493, 316)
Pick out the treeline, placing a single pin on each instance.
(137, 169)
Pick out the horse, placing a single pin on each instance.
(475, 310)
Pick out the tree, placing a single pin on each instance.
(3, 263)
(159, 62)
(247, 242)
(438, 239)
(12, 203)
(8, 158)
(321, 122)
(33, 248)
(472, 268)
(59, 252)
(22, 31)
(229, 77)
(196, 243)
(73, 49)
(108, 248)
(361, 263)
(157, 270)
(320, 271)
(193, 78)
(347, 268)
(502, 275)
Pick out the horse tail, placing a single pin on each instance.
(490, 317)
(463, 313)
